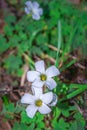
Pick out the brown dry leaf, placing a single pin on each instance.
(2, 23)
(75, 1)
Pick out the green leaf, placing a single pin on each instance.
(76, 92)
(65, 113)
(26, 119)
(23, 47)
(19, 108)
(40, 117)
(5, 100)
(80, 119)
(57, 113)
(41, 125)
(10, 19)
(3, 45)
(8, 110)
(21, 126)
(76, 126)
(32, 126)
(61, 125)
(10, 107)
(14, 41)
(73, 126)
(8, 29)
(13, 63)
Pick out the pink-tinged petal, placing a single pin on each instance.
(52, 71)
(47, 97)
(44, 109)
(32, 75)
(37, 91)
(40, 66)
(38, 84)
(31, 110)
(28, 99)
(51, 84)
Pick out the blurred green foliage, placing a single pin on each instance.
(24, 38)
(34, 37)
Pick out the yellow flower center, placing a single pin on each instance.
(43, 77)
(38, 103)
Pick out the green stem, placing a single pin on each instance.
(28, 59)
(80, 88)
(59, 43)
(76, 92)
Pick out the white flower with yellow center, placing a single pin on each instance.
(42, 77)
(37, 102)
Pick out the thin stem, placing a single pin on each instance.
(59, 42)
(78, 91)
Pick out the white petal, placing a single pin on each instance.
(40, 66)
(35, 4)
(27, 10)
(31, 110)
(36, 16)
(47, 97)
(37, 91)
(28, 99)
(32, 75)
(52, 71)
(50, 83)
(44, 109)
(40, 10)
(38, 83)
(54, 101)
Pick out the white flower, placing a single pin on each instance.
(42, 77)
(33, 9)
(37, 102)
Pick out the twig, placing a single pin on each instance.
(45, 56)
(70, 56)
(28, 59)
(24, 75)
(80, 110)
(8, 126)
